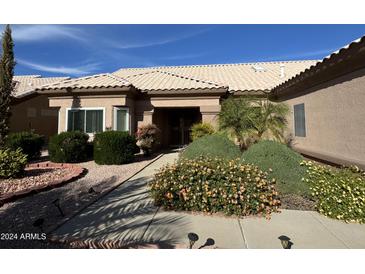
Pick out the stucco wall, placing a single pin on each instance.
(34, 114)
(335, 119)
(108, 102)
(209, 107)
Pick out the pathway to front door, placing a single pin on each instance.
(127, 217)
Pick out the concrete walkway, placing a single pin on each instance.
(127, 217)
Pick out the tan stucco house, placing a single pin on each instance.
(173, 98)
(326, 98)
(30, 111)
(327, 104)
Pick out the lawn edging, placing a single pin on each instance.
(75, 173)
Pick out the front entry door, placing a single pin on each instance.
(180, 123)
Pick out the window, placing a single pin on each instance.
(299, 120)
(85, 120)
(121, 119)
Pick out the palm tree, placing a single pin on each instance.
(236, 118)
(269, 119)
(251, 120)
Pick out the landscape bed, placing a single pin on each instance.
(21, 214)
(38, 177)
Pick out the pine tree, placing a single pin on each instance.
(7, 64)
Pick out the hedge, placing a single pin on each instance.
(281, 163)
(68, 147)
(214, 145)
(30, 143)
(114, 148)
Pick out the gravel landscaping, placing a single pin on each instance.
(25, 215)
(32, 177)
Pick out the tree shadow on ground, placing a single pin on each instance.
(19, 216)
(121, 220)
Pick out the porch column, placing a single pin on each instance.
(146, 118)
(210, 114)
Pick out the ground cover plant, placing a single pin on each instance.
(30, 143)
(215, 185)
(340, 193)
(215, 145)
(281, 163)
(114, 148)
(68, 147)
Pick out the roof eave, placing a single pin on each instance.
(68, 90)
(348, 59)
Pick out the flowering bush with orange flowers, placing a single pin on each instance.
(215, 185)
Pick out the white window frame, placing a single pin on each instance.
(85, 108)
(115, 117)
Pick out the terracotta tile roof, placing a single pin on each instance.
(105, 80)
(26, 84)
(351, 50)
(244, 77)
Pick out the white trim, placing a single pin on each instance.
(59, 130)
(85, 108)
(115, 117)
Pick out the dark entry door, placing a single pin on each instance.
(180, 122)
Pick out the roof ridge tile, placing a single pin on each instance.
(193, 79)
(221, 64)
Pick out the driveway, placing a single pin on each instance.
(127, 217)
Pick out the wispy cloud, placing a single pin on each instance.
(76, 71)
(151, 43)
(31, 33)
(298, 55)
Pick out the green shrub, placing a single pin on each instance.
(214, 145)
(114, 148)
(30, 143)
(282, 163)
(201, 129)
(12, 163)
(340, 193)
(215, 185)
(68, 147)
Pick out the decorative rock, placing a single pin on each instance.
(38, 177)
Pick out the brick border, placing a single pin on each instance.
(75, 173)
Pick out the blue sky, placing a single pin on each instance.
(77, 50)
